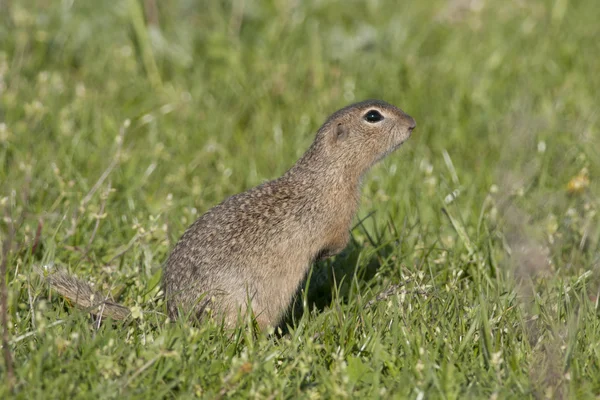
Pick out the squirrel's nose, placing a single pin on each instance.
(411, 124)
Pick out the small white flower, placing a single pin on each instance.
(541, 146)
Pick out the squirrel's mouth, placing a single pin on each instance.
(403, 138)
(395, 146)
(398, 145)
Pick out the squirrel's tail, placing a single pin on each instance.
(84, 296)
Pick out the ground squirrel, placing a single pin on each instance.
(256, 247)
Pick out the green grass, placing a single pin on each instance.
(498, 256)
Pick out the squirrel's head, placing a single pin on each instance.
(364, 133)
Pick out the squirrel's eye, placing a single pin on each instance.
(373, 116)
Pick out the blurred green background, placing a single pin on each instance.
(122, 121)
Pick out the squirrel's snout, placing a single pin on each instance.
(411, 123)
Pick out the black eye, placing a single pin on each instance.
(373, 116)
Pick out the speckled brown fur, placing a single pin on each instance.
(256, 247)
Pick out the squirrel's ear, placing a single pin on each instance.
(341, 132)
